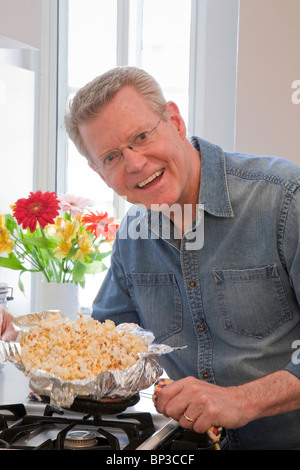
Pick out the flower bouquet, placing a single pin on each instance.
(59, 237)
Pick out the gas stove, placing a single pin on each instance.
(132, 424)
(57, 429)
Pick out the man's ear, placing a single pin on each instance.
(175, 117)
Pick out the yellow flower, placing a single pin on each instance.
(66, 230)
(6, 245)
(85, 242)
(62, 249)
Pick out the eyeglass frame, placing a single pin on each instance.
(130, 145)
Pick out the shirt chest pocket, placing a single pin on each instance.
(158, 302)
(252, 301)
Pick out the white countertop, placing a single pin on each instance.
(14, 385)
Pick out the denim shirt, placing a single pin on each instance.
(234, 302)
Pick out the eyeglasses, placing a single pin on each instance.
(141, 141)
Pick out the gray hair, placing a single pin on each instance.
(94, 96)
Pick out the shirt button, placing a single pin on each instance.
(201, 328)
(192, 284)
(205, 375)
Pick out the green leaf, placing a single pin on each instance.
(39, 242)
(11, 262)
(71, 253)
(20, 284)
(10, 223)
(100, 256)
(95, 267)
(79, 272)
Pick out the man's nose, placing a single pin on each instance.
(134, 160)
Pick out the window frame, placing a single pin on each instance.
(214, 54)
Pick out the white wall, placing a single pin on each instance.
(267, 122)
(21, 20)
(20, 31)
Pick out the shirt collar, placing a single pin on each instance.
(214, 193)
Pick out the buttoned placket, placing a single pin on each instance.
(190, 272)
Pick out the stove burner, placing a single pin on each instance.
(95, 407)
(19, 430)
(80, 439)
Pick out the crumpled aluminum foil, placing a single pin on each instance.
(113, 384)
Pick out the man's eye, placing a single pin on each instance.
(109, 158)
(141, 138)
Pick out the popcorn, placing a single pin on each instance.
(79, 350)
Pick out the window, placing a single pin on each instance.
(89, 50)
(159, 42)
(100, 35)
(171, 39)
(104, 34)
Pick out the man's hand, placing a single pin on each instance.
(204, 405)
(7, 331)
(199, 405)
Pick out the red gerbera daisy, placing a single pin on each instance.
(39, 208)
(100, 224)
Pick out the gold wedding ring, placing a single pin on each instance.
(189, 419)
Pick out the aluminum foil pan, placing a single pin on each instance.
(113, 384)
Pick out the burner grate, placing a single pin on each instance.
(137, 427)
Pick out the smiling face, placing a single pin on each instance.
(167, 171)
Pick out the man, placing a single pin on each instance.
(232, 299)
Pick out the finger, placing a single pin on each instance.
(186, 420)
(10, 334)
(7, 331)
(166, 395)
(1, 319)
(175, 407)
(173, 389)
